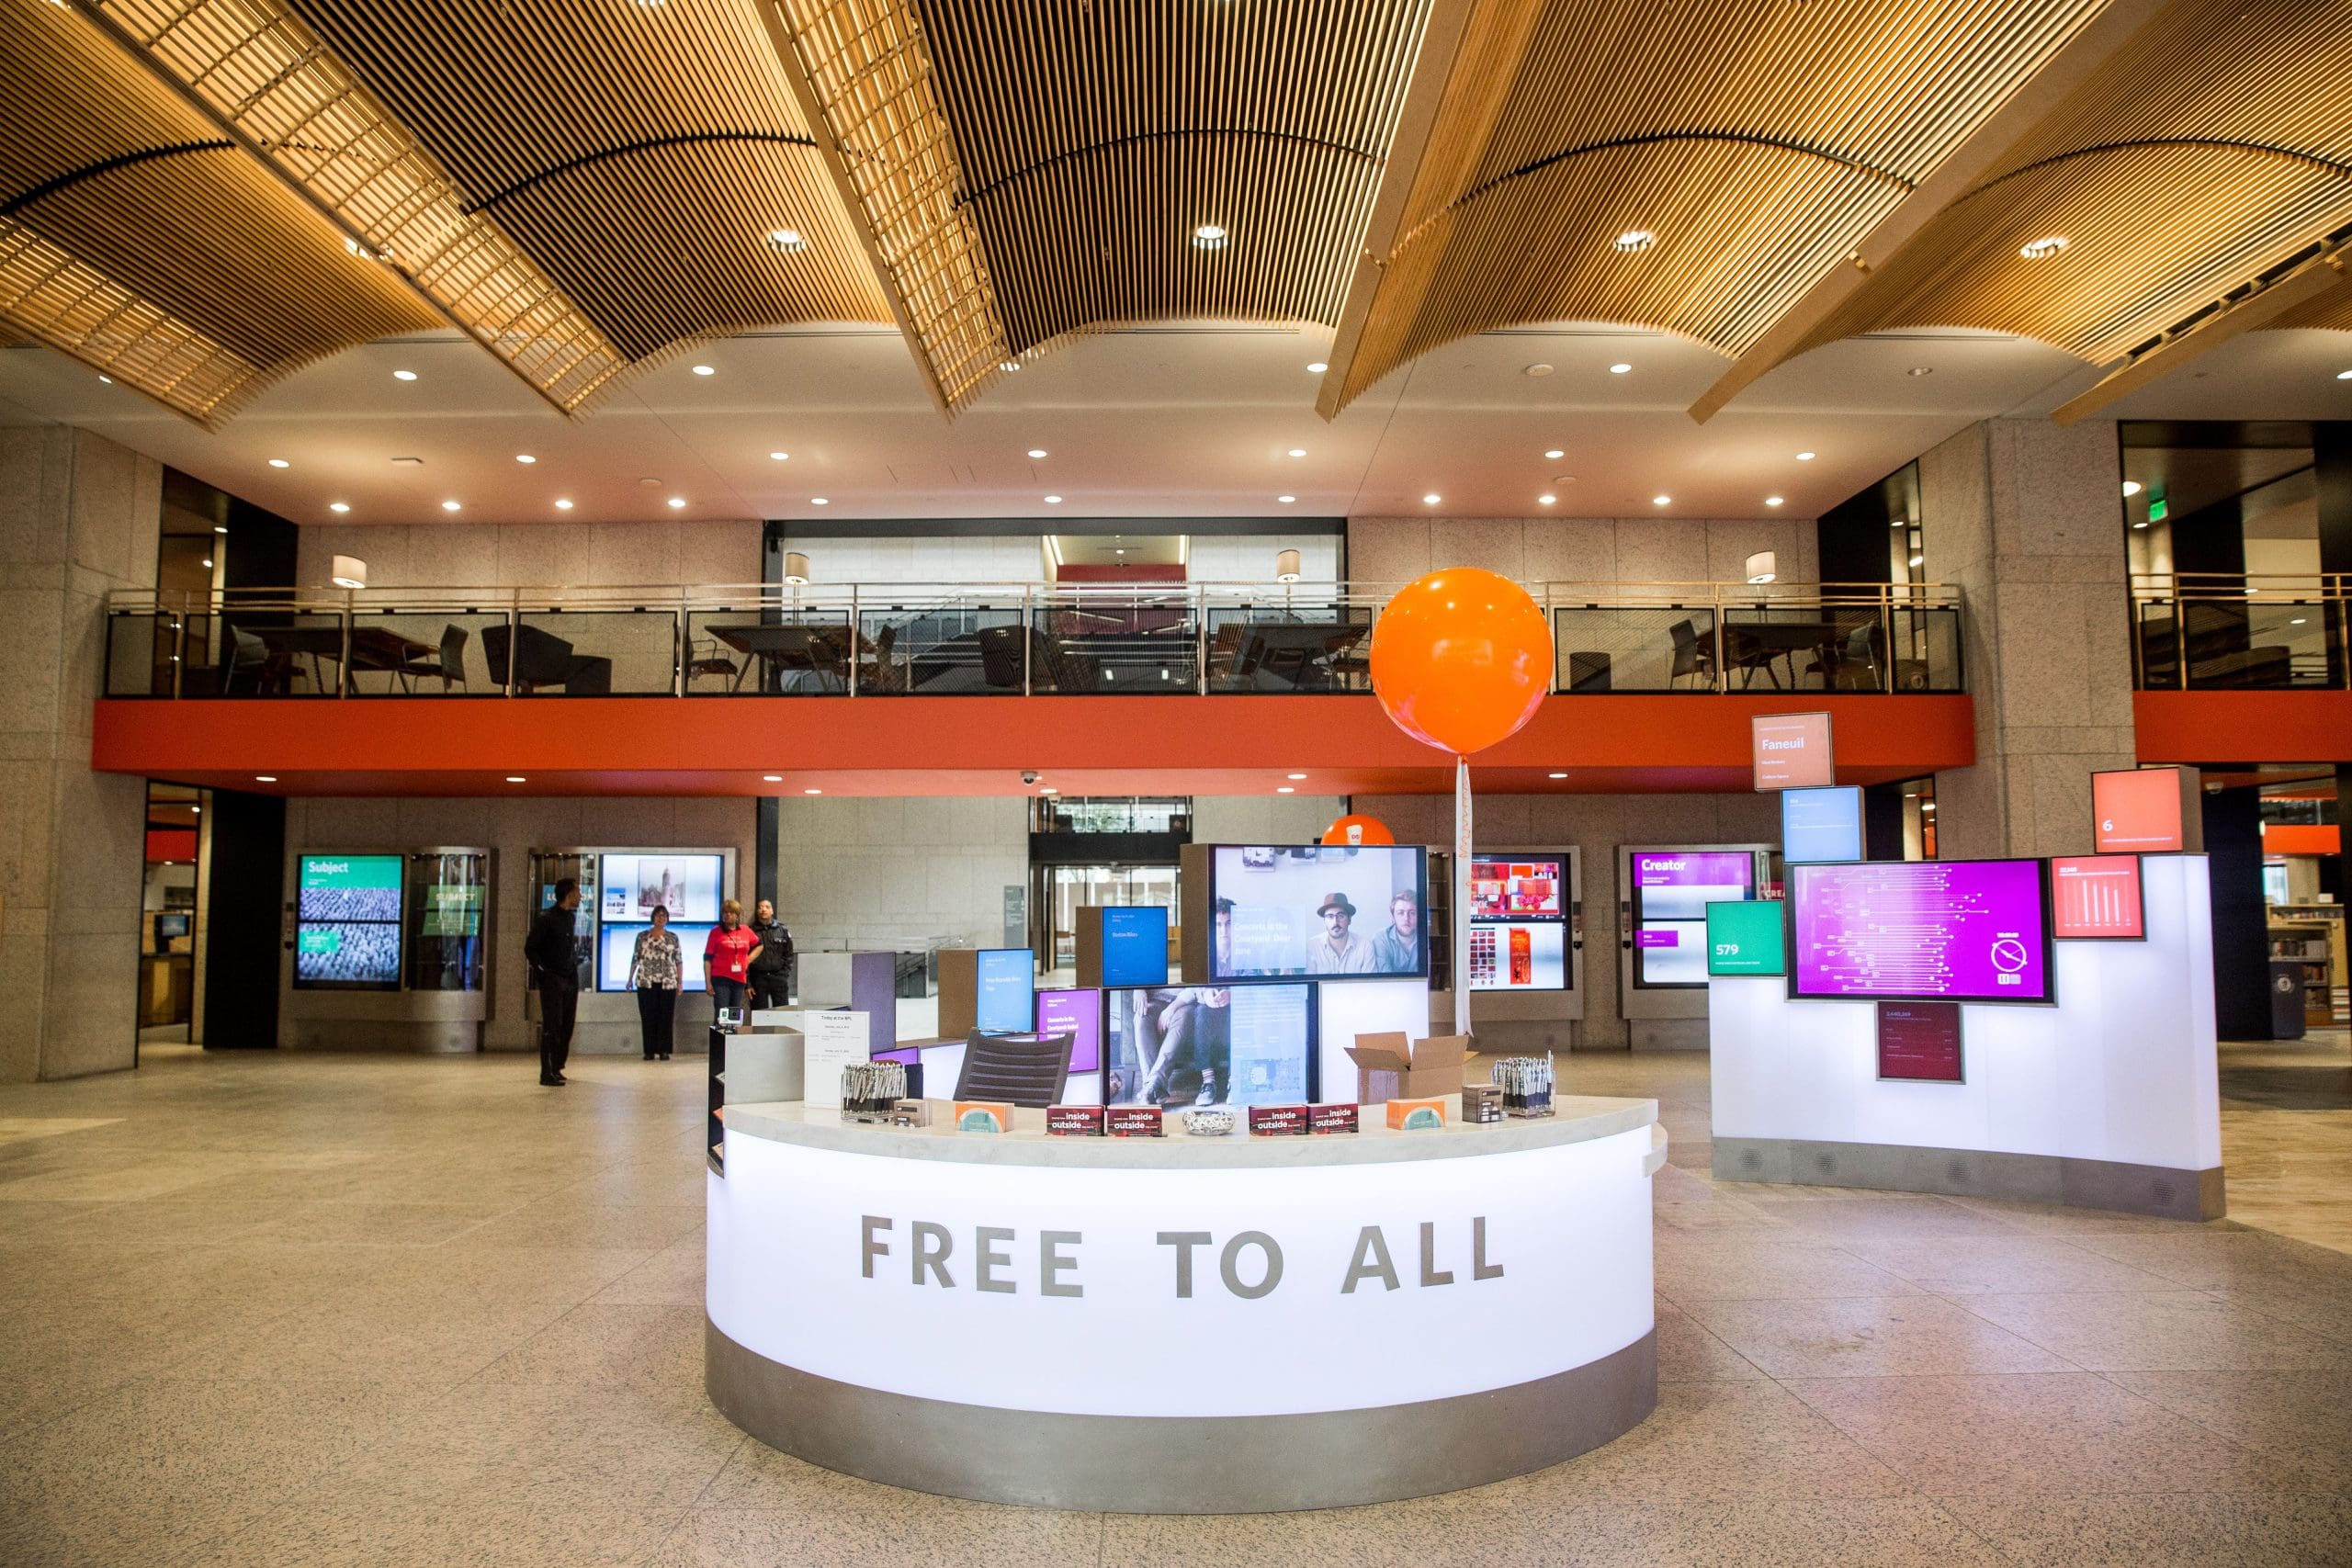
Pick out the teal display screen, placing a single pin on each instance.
(1746, 938)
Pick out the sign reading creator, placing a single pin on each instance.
(1113, 1290)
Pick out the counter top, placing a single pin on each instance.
(1577, 1119)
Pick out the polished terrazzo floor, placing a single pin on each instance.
(278, 1309)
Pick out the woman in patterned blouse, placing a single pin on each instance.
(654, 972)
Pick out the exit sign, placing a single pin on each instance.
(2157, 509)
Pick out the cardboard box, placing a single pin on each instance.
(1390, 1067)
(1416, 1115)
(1136, 1121)
(1481, 1104)
(1278, 1121)
(1331, 1119)
(1074, 1121)
(983, 1116)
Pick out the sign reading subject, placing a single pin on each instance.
(1792, 750)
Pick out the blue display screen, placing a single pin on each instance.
(1007, 986)
(1135, 946)
(1821, 824)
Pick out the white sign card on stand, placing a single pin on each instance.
(836, 1040)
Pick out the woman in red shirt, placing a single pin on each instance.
(726, 956)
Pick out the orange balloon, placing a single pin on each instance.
(1354, 829)
(1461, 659)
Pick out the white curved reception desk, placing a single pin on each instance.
(1184, 1324)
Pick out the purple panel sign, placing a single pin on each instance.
(1078, 1014)
(1965, 930)
(1658, 938)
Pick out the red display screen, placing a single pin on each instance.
(1919, 1041)
(1515, 889)
(2093, 896)
(2138, 808)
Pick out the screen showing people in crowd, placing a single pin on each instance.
(1956, 931)
(1821, 824)
(616, 952)
(1006, 984)
(1078, 1014)
(347, 923)
(1329, 910)
(1180, 1045)
(1519, 932)
(1671, 890)
(637, 884)
(1135, 945)
(2097, 898)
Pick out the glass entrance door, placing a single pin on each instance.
(1063, 889)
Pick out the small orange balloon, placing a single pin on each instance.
(1461, 659)
(1355, 830)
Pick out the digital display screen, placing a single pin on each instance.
(1078, 1014)
(1746, 938)
(1006, 982)
(1671, 891)
(617, 950)
(2095, 898)
(1184, 1045)
(1964, 930)
(1792, 751)
(1519, 933)
(1919, 1041)
(1821, 824)
(636, 886)
(2138, 810)
(1329, 910)
(347, 930)
(1135, 945)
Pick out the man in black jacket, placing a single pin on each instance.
(771, 974)
(555, 970)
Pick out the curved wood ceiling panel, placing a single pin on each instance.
(1093, 139)
(1757, 139)
(2217, 151)
(640, 153)
(136, 239)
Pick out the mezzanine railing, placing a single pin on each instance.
(984, 639)
(2214, 631)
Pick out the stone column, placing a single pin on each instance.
(2025, 517)
(79, 517)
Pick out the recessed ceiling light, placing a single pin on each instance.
(2300, 620)
(812, 792)
(102, 380)
(2340, 375)
(1286, 499)
(1298, 451)
(207, 562)
(1537, 370)
(778, 456)
(787, 239)
(1661, 501)
(772, 778)
(1804, 456)
(705, 370)
(1037, 451)
(1635, 240)
(1772, 501)
(2044, 248)
(279, 463)
(819, 500)
(448, 506)
(1430, 500)
(1546, 499)
(1118, 552)
(220, 529)
(516, 778)
(1619, 369)
(265, 778)
(563, 506)
(404, 375)
(1008, 365)
(332, 506)
(1210, 236)
(1294, 777)
(524, 458)
(1316, 367)
(1284, 789)
(1555, 775)
(2131, 487)
(1053, 501)
(1920, 371)
(1918, 560)
(676, 502)
(2139, 525)
(1554, 453)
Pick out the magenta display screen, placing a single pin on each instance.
(1671, 891)
(1078, 1014)
(1943, 931)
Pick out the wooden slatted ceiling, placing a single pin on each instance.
(2332, 315)
(2220, 148)
(140, 243)
(640, 154)
(267, 79)
(1091, 139)
(1757, 139)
